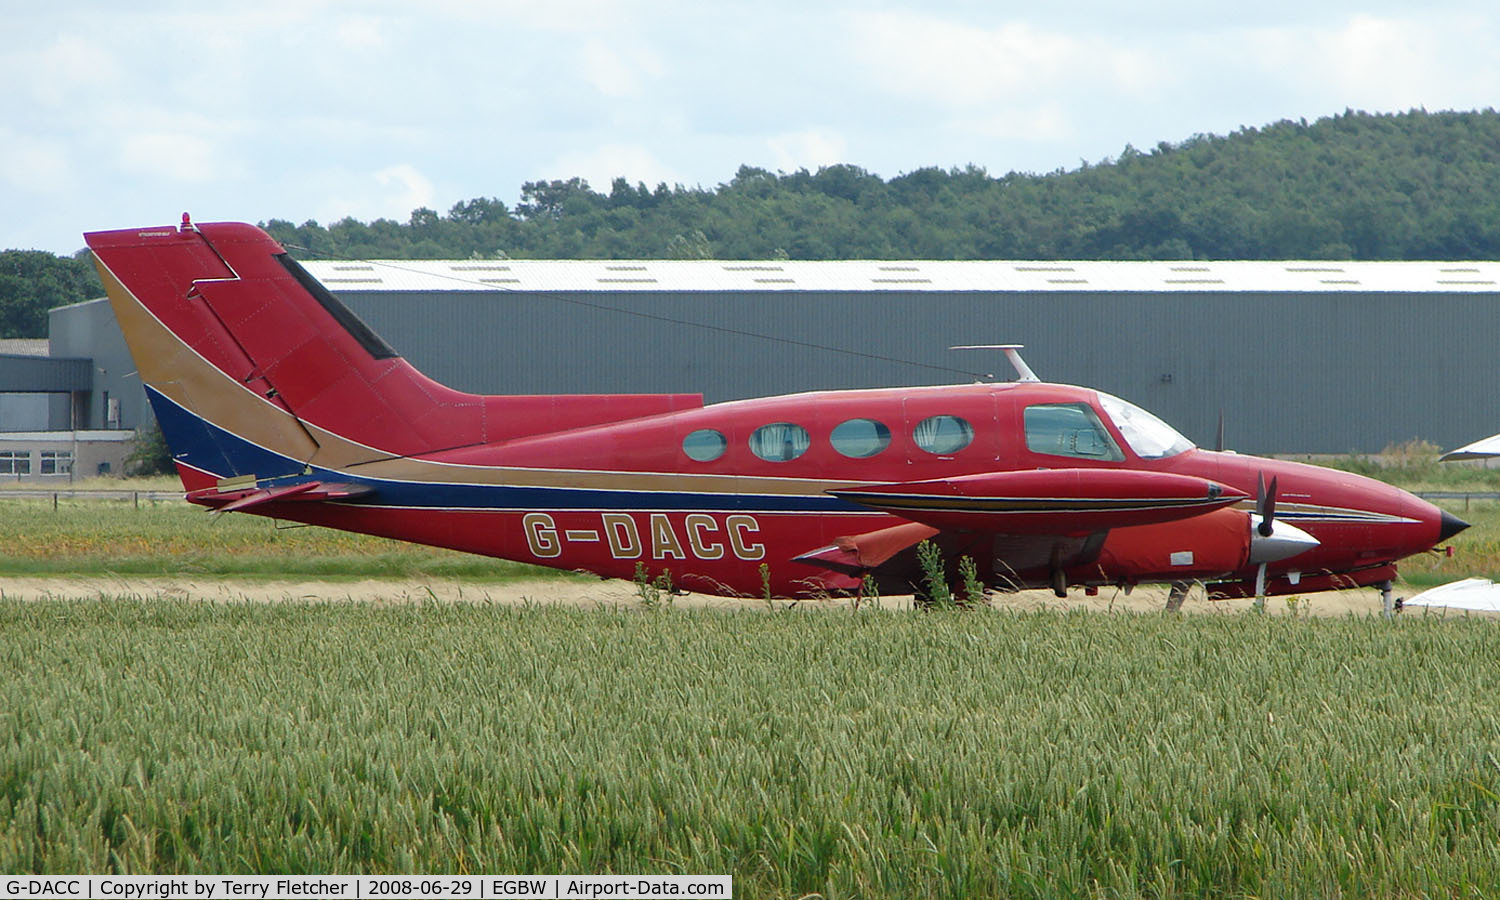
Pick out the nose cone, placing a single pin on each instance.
(1450, 525)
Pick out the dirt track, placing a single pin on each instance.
(588, 594)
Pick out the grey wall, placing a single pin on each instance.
(41, 393)
(1324, 373)
(24, 412)
(42, 374)
(1310, 373)
(89, 330)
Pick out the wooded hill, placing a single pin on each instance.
(1414, 185)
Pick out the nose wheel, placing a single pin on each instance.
(1387, 605)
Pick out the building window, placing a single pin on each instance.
(57, 462)
(15, 462)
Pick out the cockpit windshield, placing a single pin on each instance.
(1148, 436)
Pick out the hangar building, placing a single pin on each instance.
(1300, 357)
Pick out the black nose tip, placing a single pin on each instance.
(1450, 525)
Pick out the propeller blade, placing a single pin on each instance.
(1219, 438)
(1260, 586)
(1265, 504)
(1270, 516)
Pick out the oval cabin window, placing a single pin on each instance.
(861, 438)
(704, 445)
(779, 442)
(943, 435)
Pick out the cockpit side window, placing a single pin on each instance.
(1148, 436)
(1069, 429)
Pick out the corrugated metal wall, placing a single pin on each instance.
(1312, 373)
(40, 374)
(1306, 373)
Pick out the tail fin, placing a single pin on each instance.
(253, 367)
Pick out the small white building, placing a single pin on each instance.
(63, 455)
(40, 397)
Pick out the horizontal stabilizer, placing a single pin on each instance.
(1047, 501)
(235, 500)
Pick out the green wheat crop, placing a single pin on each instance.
(847, 754)
(90, 537)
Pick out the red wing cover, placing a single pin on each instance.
(860, 552)
(1047, 501)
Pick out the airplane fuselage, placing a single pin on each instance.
(609, 498)
(277, 401)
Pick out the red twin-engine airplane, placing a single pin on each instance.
(277, 401)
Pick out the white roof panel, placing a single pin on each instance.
(23, 346)
(921, 275)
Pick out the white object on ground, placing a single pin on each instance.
(1471, 593)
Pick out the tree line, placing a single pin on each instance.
(34, 281)
(1414, 185)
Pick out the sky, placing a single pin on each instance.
(116, 115)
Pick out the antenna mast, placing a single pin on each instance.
(1012, 353)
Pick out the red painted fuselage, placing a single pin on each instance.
(276, 401)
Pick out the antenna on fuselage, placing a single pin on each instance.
(1012, 353)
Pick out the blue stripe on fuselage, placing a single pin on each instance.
(205, 446)
(208, 448)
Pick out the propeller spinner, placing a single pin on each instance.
(1272, 541)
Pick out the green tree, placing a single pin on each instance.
(34, 281)
(1414, 185)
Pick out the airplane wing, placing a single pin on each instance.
(1483, 449)
(1066, 502)
(1479, 594)
(1038, 521)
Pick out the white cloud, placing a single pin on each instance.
(807, 150)
(300, 108)
(58, 72)
(1040, 122)
(615, 70)
(564, 16)
(1386, 63)
(33, 165)
(405, 188)
(606, 162)
(1382, 57)
(334, 193)
(361, 32)
(958, 65)
(169, 156)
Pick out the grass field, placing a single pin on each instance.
(170, 537)
(1476, 552)
(845, 754)
(869, 754)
